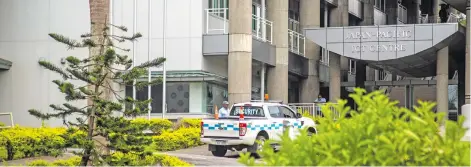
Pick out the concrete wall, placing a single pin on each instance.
(183, 32)
(24, 40)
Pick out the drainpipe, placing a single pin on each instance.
(264, 29)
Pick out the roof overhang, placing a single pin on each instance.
(407, 49)
(5, 64)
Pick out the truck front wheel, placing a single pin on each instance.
(220, 151)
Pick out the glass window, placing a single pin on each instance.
(178, 94)
(215, 95)
(275, 112)
(287, 113)
(249, 111)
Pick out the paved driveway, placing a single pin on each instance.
(200, 156)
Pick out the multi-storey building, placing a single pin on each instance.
(239, 50)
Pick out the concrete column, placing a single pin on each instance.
(461, 85)
(240, 51)
(442, 80)
(368, 13)
(310, 18)
(363, 72)
(413, 7)
(466, 109)
(435, 11)
(338, 18)
(391, 12)
(278, 75)
(262, 81)
(468, 56)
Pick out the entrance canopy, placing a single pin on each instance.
(5, 64)
(407, 49)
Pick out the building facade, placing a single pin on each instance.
(237, 51)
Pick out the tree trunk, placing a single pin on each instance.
(99, 18)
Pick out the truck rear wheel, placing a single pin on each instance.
(258, 145)
(220, 151)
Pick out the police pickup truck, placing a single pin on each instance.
(260, 121)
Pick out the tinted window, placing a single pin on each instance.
(287, 113)
(249, 111)
(275, 112)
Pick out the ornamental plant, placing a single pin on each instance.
(379, 133)
(98, 76)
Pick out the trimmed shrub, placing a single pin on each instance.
(378, 134)
(187, 123)
(159, 125)
(20, 142)
(178, 139)
(73, 161)
(134, 159)
(167, 160)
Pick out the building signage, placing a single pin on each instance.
(380, 35)
(384, 42)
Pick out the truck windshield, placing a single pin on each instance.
(249, 111)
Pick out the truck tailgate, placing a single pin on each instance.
(223, 128)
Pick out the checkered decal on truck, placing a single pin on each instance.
(250, 127)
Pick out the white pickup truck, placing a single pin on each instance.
(262, 121)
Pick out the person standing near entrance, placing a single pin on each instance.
(320, 99)
(224, 111)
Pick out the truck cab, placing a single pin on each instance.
(250, 122)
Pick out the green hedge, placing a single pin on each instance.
(24, 142)
(378, 133)
(178, 139)
(120, 159)
(20, 142)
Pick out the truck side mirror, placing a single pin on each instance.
(298, 115)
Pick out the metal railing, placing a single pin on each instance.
(217, 20)
(352, 64)
(262, 29)
(297, 42)
(355, 8)
(379, 17)
(453, 18)
(423, 19)
(325, 57)
(11, 120)
(217, 23)
(313, 109)
(383, 75)
(294, 25)
(401, 13)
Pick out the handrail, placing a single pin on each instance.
(11, 119)
(424, 18)
(294, 25)
(221, 14)
(217, 21)
(313, 109)
(402, 13)
(297, 42)
(325, 57)
(259, 24)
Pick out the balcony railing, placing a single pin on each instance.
(262, 29)
(325, 57)
(352, 64)
(401, 13)
(423, 19)
(217, 23)
(296, 42)
(355, 8)
(294, 25)
(379, 16)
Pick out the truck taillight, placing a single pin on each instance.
(202, 129)
(242, 129)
